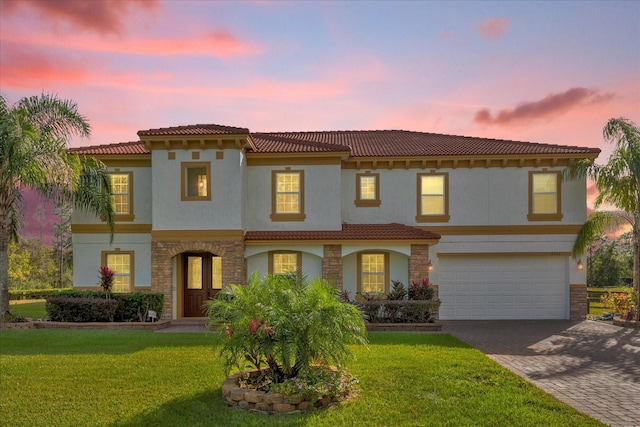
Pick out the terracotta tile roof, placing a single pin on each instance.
(267, 143)
(396, 143)
(195, 130)
(377, 143)
(123, 148)
(393, 231)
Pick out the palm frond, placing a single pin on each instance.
(56, 117)
(595, 226)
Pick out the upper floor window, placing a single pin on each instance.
(122, 264)
(287, 195)
(373, 272)
(122, 195)
(433, 197)
(284, 262)
(196, 181)
(545, 196)
(367, 189)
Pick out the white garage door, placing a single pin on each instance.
(503, 287)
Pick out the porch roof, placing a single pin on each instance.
(388, 232)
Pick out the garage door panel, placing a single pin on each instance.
(503, 288)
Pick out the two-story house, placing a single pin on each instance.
(491, 222)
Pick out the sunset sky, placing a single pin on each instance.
(550, 72)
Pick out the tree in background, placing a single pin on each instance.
(33, 154)
(606, 267)
(62, 242)
(618, 184)
(32, 265)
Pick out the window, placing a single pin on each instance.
(284, 262)
(287, 195)
(216, 272)
(373, 272)
(433, 197)
(122, 264)
(367, 189)
(196, 181)
(122, 195)
(545, 196)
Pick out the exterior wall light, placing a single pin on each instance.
(580, 264)
(429, 266)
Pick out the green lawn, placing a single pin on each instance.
(32, 310)
(142, 378)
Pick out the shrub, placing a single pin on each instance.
(106, 278)
(621, 302)
(285, 322)
(320, 382)
(406, 311)
(65, 309)
(35, 293)
(398, 292)
(421, 290)
(131, 307)
(10, 317)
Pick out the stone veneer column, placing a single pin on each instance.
(418, 270)
(418, 263)
(163, 252)
(578, 302)
(332, 265)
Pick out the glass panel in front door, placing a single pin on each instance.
(194, 272)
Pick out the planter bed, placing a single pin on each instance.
(405, 327)
(268, 403)
(43, 324)
(626, 323)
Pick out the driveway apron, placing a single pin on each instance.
(592, 366)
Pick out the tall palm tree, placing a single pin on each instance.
(618, 184)
(33, 153)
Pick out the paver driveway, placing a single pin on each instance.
(592, 366)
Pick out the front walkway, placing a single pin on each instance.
(592, 366)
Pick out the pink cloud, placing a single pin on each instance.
(221, 44)
(25, 68)
(101, 16)
(493, 28)
(548, 107)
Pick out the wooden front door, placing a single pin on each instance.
(197, 283)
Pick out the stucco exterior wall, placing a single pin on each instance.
(322, 188)
(477, 196)
(141, 199)
(87, 252)
(222, 212)
(311, 264)
(398, 270)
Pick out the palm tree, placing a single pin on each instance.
(618, 184)
(33, 153)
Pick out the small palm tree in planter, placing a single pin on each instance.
(292, 333)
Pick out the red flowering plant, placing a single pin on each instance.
(421, 290)
(106, 279)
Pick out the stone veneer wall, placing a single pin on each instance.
(270, 403)
(332, 264)
(578, 302)
(163, 252)
(418, 270)
(418, 263)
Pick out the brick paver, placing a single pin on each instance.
(592, 366)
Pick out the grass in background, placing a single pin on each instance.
(137, 378)
(32, 310)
